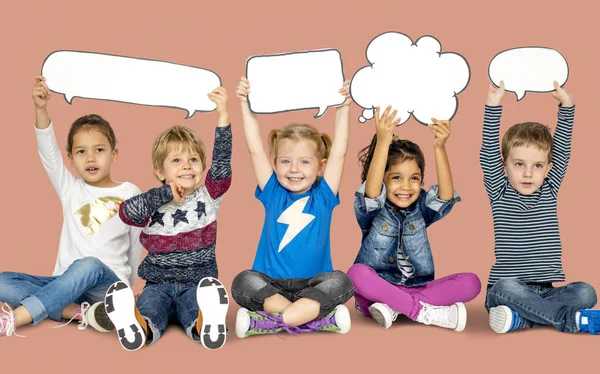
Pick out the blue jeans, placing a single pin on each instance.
(159, 303)
(541, 304)
(86, 279)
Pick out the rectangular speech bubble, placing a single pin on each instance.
(130, 80)
(295, 81)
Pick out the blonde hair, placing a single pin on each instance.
(296, 132)
(527, 134)
(176, 137)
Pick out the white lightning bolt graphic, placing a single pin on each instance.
(295, 219)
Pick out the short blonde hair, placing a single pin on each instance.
(527, 134)
(297, 132)
(176, 137)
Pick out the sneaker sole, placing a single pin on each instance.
(120, 307)
(213, 303)
(462, 317)
(99, 319)
(242, 323)
(500, 319)
(342, 314)
(379, 318)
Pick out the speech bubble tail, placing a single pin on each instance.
(362, 119)
(520, 95)
(190, 113)
(322, 111)
(69, 98)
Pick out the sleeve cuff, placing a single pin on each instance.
(433, 202)
(369, 204)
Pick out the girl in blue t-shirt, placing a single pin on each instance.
(292, 285)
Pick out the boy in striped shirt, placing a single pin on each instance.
(522, 182)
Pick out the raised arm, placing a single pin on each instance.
(441, 131)
(561, 140)
(218, 179)
(339, 147)
(385, 126)
(490, 157)
(258, 156)
(50, 155)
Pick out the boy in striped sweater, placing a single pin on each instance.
(180, 231)
(522, 182)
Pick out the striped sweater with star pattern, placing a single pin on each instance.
(181, 238)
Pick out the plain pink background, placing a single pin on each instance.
(220, 37)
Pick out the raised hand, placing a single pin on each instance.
(560, 94)
(385, 124)
(345, 91)
(219, 97)
(496, 94)
(441, 130)
(41, 92)
(243, 89)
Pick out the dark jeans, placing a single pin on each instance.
(250, 289)
(541, 304)
(161, 303)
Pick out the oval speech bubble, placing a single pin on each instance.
(532, 69)
(130, 80)
(295, 81)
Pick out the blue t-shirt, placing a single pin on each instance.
(294, 242)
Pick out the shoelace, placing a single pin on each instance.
(83, 324)
(7, 325)
(321, 323)
(269, 323)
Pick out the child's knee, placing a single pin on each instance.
(586, 294)
(7, 278)
(358, 271)
(88, 265)
(473, 284)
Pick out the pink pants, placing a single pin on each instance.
(371, 288)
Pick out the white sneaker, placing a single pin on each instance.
(450, 317)
(7, 321)
(383, 314)
(97, 317)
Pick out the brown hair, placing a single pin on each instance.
(527, 134)
(178, 137)
(400, 150)
(91, 122)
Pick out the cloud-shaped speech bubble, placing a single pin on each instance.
(295, 81)
(130, 80)
(531, 69)
(414, 78)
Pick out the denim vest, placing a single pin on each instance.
(384, 231)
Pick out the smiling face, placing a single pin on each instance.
(403, 183)
(297, 165)
(182, 165)
(526, 168)
(92, 156)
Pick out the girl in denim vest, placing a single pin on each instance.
(394, 272)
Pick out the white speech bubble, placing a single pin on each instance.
(414, 78)
(130, 80)
(295, 81)
(532, 69)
